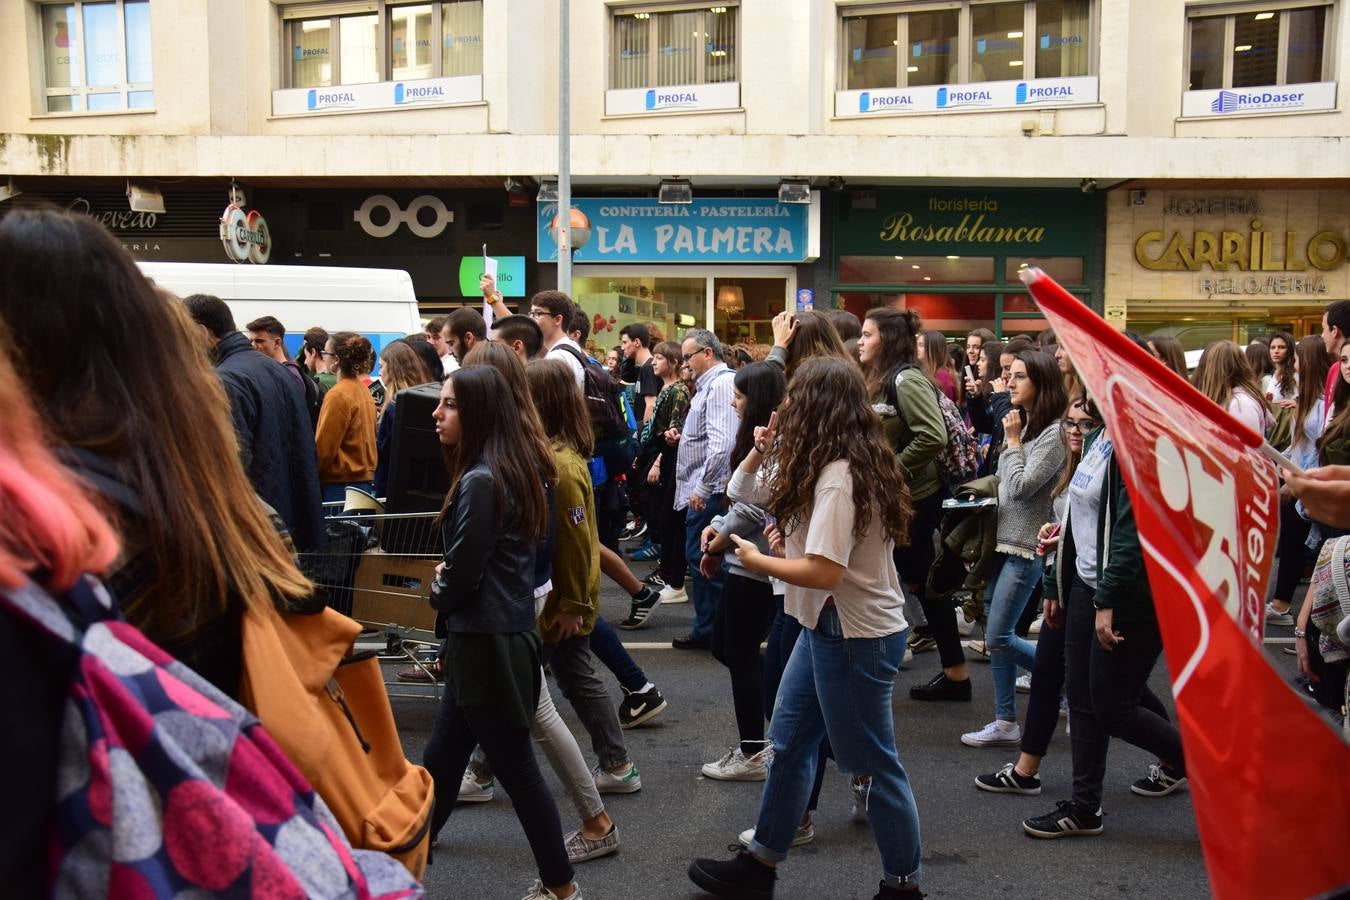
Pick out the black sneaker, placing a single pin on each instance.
(655, 580)
(1161, 781)
(1066, 821)
(639, 708)
(689, 642)
(1008, 780)
(891, 892)
(635, 529)
(643, 606)
(744, 878)
(942, 688)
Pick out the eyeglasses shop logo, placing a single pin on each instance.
(418, 93)
(1051, 93)
(672, 100)
(869, 103)
(948, 98)
(1232, 101)
(317, 99)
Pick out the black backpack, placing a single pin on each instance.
(313, 393)
(602, 398)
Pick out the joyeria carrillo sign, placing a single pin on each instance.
(245, 235)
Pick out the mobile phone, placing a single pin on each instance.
(970, 373)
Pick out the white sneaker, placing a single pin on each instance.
(1036, 625)
(805, 834)
(965, 627)
(1023, 684)
(996, 734)
(670, 596)
(980, 649)
(628, 783)
(909, 658)
(470, 791)
(736, 766)
(1275, 617)
(539, 892)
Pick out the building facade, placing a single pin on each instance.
(946, 144)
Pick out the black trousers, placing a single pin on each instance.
(1104, 689)
(913, 563)
(1291, 554)
(740, 626)
(1047, 683)
(511, 752)
(673, 537)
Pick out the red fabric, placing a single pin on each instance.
(1330, 391)
(1260, 762)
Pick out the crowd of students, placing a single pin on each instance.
(856, 494)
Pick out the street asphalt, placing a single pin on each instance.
(973, 844)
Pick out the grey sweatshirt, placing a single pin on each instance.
(1026, 475)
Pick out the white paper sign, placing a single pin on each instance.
(489, 268)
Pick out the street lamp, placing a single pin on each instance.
(580, 228)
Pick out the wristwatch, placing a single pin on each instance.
(1299, 634)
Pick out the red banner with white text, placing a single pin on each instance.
(1270, 781)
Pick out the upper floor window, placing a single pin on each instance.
(361, 42)
(660, 47)
(970, 41)
(96, 56)
(1257, 46)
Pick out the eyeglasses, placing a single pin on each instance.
(688, 356)
(1082, 426)
(540, 314)
(327, 353)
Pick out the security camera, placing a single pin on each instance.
(1087, 185)
(1028, 127)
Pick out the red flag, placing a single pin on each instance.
(1270, 781)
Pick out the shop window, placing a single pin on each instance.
(673, 305)
(917, 270)
(660, 48)
(1257, 47)
(912, 46)
(96, 56)
(362, 42)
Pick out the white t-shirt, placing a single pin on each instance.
(557, 352)
(1272, 390)
(1249, 411)
(869, 600)
(449, 363)
(1085, 500)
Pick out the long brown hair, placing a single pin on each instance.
(502, 358)
(141, 393)
(815, 336)
(1313, 365)
(935, 353)
(1170, 353)
(491, 432)
(1223, 370)
(400, 368)
(1050, 401)
(1283, 373)
(1339, 414)
(561, 406)
(898, 329)
(827, 417)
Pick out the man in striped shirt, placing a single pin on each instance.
(702, 467)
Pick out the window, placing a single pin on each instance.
(661, 48)
(375, 40)
(969, 41)
(1256, 47)
(96, 56)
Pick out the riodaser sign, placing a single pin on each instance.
(1206, 504)
(979, 95)
(1260, 100)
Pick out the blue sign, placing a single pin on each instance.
(729, 230)
(806, 299)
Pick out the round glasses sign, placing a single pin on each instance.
(245, 235)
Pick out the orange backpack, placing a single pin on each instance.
(328, 709)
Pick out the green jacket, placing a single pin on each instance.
(576, 547)
(914, 426)
(1122, 581)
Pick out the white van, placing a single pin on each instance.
(379, 303)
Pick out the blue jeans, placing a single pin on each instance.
(840, 687)
(1014, 584)
(606, 646)
(706, 593)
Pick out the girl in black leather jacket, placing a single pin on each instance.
(495, 515)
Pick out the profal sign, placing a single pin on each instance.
(1254, 252)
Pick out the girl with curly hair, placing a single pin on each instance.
(842, 505)
(345, 437)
